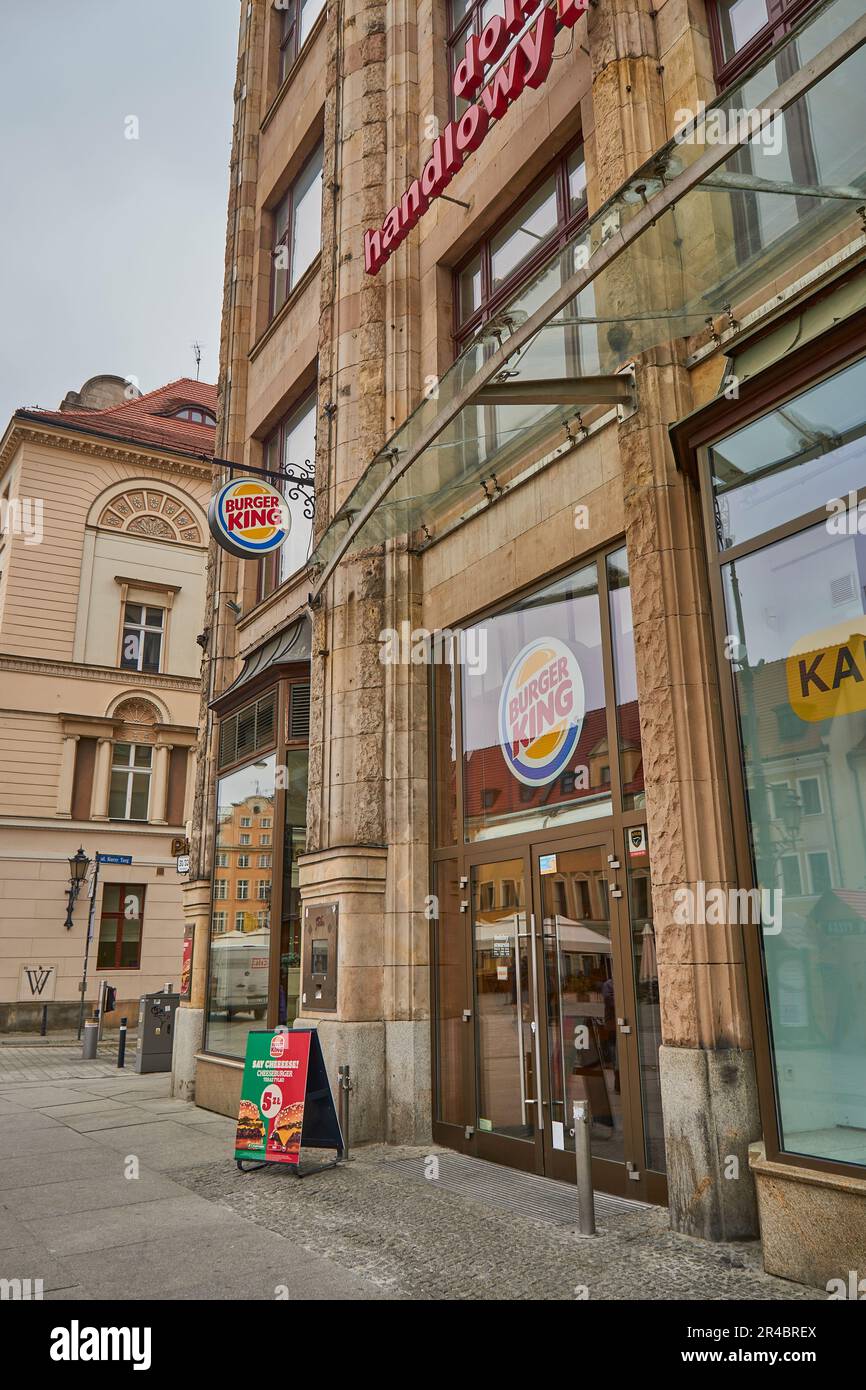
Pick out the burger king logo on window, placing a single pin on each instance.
(541, 711)
(249, 517)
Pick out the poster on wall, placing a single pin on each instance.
(186, 965)
(286, 1101)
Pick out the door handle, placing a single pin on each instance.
(467, 1014)
(623, 1026)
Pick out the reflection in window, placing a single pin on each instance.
(297, 230)
(292, 447)
(239, 958)
(797, 648)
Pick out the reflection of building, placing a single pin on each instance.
(100, 678)
(526, 429)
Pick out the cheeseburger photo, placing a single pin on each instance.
(285, 1137)
(251, 1129)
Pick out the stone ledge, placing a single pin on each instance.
(813, 1223)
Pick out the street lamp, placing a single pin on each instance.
(792, 817)
(78, 865)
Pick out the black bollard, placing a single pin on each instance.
(121, 1043)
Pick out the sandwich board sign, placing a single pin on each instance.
(286, 1102)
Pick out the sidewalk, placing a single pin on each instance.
(390, 1224)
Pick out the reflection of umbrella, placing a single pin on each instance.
(576, 936)
(649, 968)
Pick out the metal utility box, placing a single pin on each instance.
(155, 1031)
(319, 982)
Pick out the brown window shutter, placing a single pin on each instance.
(176, 785)
(82, 783)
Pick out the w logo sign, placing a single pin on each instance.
(37, 983)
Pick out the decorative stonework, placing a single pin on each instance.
(137, 711)
(150, 513)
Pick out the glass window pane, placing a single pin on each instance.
(153, 617)
(140, 796)
(739, 21)
(122, 754)
(444, 745)
(239, 957)
(111, 897)
(133, 613)
(625, 672)
(505, 1010)
(299, 451)
(310, 11)
(469, 289)
(577, 179)
(792, 461)
(131, 650)
(524, 232)
(152, 646)
(307, 217)
(117, 796)
(143, 755)
(534, 721)
(801, 654)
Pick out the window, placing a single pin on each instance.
(120, 926)
(792, 881)
(297, 223)
(264, 839)
(263, 891)
(222, 861)
(243, 861)
(265, 861)
(130, 782)
(142, 637)
(219, 922)
(197, 414)
(467, 17)
(810, 796)
(245, 822)
(220, 889)
(243, 889)
(292, 449)
(741, 30)
(545, 220)
(296, 23)
(245, 838)
(819, 871)
(240, 920)
(265, 822)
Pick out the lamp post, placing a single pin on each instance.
(83, 986)
(78, 865)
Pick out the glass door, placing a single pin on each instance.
(584, 943)
(508, 1099)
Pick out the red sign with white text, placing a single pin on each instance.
(527, 65)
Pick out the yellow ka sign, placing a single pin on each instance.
(826, 672)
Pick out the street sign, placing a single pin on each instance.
(114, 858)
(183, 863)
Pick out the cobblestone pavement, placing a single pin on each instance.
(52, 1061)
(415, 1240)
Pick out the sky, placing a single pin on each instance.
(111, 249)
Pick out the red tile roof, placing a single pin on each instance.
(144, 420)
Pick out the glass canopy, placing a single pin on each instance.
(703, 227)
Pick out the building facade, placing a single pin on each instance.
(565, 304)
(103, 554)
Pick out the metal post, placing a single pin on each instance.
(93, 887)
(88, 1049)
(100, 1011)
(121, 1043)
(583, 1162)
(345, 1085)
(43, 1027)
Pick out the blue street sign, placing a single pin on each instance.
(114, 858)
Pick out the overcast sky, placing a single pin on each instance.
(111, 250)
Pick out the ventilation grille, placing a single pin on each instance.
(842, 590)
(244, 733)
(299, 712)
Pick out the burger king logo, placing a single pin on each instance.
(541, 711)
(249, 517)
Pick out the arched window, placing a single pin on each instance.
(198, 414)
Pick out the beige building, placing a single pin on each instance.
(571, 298)
(102, 572)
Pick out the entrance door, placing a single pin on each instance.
(554, 956)
(588, 1011)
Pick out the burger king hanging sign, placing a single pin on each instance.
(541, 711)
(249, 517)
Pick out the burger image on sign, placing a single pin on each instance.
(249, 517)
(541, 711)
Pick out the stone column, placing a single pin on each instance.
(67, 776)
(159, 789)
(101, 780)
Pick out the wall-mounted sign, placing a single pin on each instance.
(249, 517)
(636, 837)
(526, 65)
(547, 863)
(541, 710)
(37, 984)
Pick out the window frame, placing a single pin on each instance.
(187, 412)
(124, 889)
(131, 770)
(785, 15)
(289, 44)
(287, 238)
(568, 222)
(141, 630)
(269, 565)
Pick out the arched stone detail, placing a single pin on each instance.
(148, 511)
